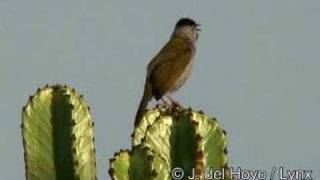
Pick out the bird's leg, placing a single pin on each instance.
(174, 103)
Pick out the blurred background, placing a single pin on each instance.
(256, 71)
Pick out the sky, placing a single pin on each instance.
(256, 70)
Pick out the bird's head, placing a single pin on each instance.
(188, 28)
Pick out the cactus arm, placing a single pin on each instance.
(57, 135)
(119, 165)
(185, 138)
(135, 164)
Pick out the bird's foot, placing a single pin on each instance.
(175, 104)
(165, 103)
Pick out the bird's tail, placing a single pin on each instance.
(147, 95)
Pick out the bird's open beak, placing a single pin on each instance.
(197, 27)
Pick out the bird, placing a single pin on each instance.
(171, 67)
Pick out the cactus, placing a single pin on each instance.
(167, 139)
(58, 136)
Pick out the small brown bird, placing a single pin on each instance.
(171, 67)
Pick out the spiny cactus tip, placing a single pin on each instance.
(224, 132)
(154, 173)
(225, 151)
(111, 172)
(201, 112)
(150, 157)
(198, 138)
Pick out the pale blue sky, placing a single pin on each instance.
(256, 70)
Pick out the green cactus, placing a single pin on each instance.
(166, 139)
(58, 136)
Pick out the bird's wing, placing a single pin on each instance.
(170, 64)
(175, 46)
